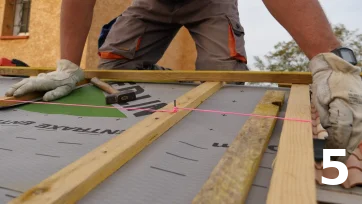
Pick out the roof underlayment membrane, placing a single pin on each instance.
(36, 143)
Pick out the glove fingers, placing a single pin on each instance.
(356, 135)
(322, 110)
(13, 88)
(340, 129)
(28, 87)
(57, 93)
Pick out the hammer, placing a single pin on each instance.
(114, 95)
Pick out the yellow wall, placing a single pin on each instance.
(181, 54)
(42, 47)
(2, 4)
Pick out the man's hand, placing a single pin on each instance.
(57, 84)
(337, 95)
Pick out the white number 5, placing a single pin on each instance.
(342, 169)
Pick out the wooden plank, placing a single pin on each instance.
(284, 85)
(168, 76)
(24, 71)
(11, 100)
(225, 76)
(231, 179)
(293, 175)
(175, 76)
(74, 181)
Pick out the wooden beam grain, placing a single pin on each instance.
(75, 180)
(6, 102)
(23, 71)
(231, 179)
(293, 175)
(225, 76)
(175, 76)
(283, 85)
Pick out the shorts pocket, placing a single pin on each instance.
(123, 39)
(236, 40)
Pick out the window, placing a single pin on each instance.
(22, 14)
(16, 18)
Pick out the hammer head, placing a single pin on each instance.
(121, 97)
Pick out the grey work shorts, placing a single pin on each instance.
(142, 33)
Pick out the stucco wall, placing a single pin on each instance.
(181, 54)
(42, 48)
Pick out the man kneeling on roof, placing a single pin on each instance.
(138, 38)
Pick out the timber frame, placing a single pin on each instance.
(294, 157)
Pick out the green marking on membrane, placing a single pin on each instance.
(88, 95)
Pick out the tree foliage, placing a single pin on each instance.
(287, 56)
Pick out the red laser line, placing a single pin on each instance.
(174, 110)
(246, 114)
(85, 105)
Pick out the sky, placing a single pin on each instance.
(262, 31)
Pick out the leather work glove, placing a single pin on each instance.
(337, 95)
(58, 83)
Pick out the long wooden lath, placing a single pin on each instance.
(172, 76)
(293, 179)
(231, 179)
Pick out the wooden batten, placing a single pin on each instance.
(231, 179)
(293, 179)
(176, 76)
(12, 101)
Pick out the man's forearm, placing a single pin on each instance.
(306, 22)
(75, 22)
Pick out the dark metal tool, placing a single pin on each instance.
(114, 96)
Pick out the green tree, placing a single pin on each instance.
(287, 56)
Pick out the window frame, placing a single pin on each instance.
(12, 14)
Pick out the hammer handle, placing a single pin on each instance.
(104, 86)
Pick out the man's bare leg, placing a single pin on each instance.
(75, 23)
(307, 23)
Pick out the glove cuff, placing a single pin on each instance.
(331, 62)
(68, 67)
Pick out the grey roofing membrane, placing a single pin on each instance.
(170, 170)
